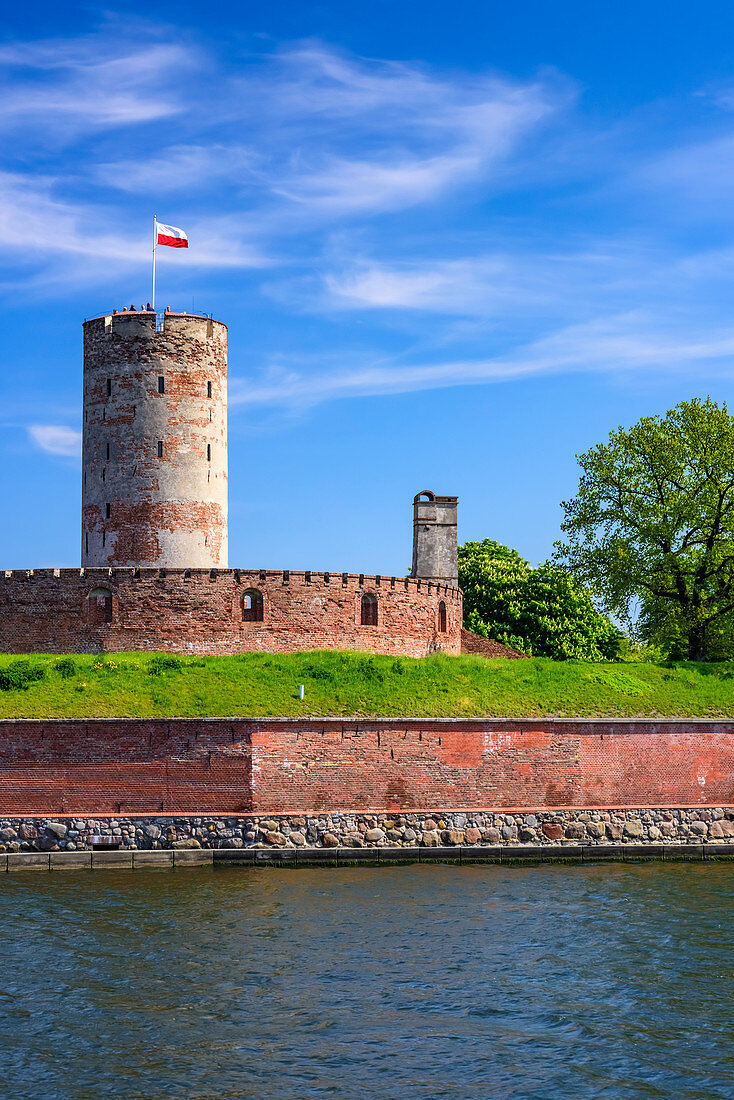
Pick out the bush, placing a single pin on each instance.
(164, 662)
(542, 612)
(19, 674)
(66, 668)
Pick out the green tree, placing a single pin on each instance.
(651, 529)
(542, 611)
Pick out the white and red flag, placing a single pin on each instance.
(171, 235)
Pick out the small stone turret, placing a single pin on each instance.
(435, 543)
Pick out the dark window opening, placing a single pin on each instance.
(104, 413)
(208, 452)
(104, 474)
(252, 606)
(369, 610)
(161, 384)
(160, 448)
(100, 605)
(107, 510)
(442, 617)
(85, 479)
(208, 389)
(104, 538)
(109, 387)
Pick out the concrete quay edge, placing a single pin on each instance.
(133, 859)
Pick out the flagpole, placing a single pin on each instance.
(155, 237)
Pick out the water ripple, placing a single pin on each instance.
(424, 982)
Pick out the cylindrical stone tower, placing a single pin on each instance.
(154, 456)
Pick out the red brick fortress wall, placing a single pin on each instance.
(239, 766)
(203, 611)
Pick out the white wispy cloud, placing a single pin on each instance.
(333, 135)
(32, 221)
(624, 343)
(180, 168)
(56, 439)
(93, 82)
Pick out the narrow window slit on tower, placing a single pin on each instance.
(107, 510)
(104, 538)
(161, 384)
(208, 452)
(442, 617)
(109, 387)
(104, 413)
(208, 389)
(160, 448)
(104, 474)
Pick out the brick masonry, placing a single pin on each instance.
(201, 611)
(154, 455)
(281, 766)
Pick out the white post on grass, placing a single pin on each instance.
(155, 239)
(300, 691)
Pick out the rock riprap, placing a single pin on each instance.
(452, 829)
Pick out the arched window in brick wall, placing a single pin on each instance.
(442, 617)
(369, 609)
(252, 606)
(99, 603)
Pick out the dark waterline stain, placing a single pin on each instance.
(422, 982)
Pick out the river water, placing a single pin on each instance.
(408, 983)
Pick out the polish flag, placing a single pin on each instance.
(170, 235)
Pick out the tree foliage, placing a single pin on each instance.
(651, 528)
(543, 611)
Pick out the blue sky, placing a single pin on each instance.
(455, 245)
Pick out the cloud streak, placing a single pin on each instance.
(55, 439)
(619, 344)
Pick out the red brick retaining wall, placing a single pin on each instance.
(238, 766)
(202, 611)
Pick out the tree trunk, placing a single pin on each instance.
(697, 644)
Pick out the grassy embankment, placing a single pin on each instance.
(142, 685)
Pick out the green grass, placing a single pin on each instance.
(356, 684)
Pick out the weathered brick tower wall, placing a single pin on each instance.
(154, 481)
